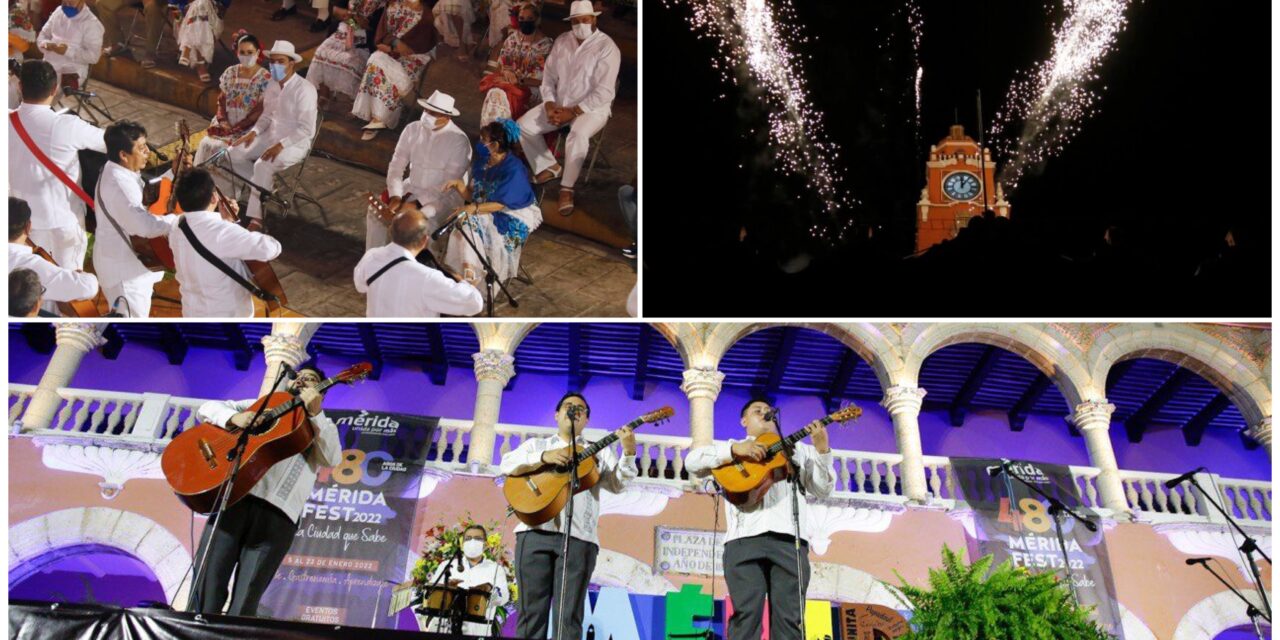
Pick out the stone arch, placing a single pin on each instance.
(686, 337)
(615, 569)
(1034, 343)
(130, 532)
(1213, 615)
(864, 339)
(842, 583)
(1133, 626)
(503, 336)
(1227, 366)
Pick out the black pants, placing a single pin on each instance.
(765, 565)
(252, 539)
(539, 562)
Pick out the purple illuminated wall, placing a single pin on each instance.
(86, 574)
(209, 373)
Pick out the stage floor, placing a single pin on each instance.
(42, 620)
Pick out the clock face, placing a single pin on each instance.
(961, 186)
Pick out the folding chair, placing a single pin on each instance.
(289, 183)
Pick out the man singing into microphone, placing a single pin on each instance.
(759, 549)
(255, 533)
(539, 560)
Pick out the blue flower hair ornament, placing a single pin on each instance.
(512, 129)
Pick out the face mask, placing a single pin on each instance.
(472, 548)
(527, 26)
(582, 31)
(70, 11)
(277, 71)
(248, 61)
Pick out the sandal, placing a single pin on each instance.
(566, 201)
(547, 175)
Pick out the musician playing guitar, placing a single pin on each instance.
(207, 290)
(539, 549)
(759, 550)
(255, 533)
(399, 286)
(60, 284)
(122, 214)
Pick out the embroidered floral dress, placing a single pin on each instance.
(341, 59)
(388, 78)
(198, 31)
(241, 96)
(526, 59)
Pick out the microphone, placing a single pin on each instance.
(160, 155)
(1191, 561)
(289, 372)
(222, 153)
(771, 415)
(68, 91)
(447, 226)
(574, 411)
(1173, 482)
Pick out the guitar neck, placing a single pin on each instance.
(789, 441)
(296, 401)
(592, 449)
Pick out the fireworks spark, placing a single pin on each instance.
(756, 44)
(1051, 101)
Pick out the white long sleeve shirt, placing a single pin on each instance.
(59, 137)
(773, 513)
(60, 284)
(120, 196)
(433, 158)
(207, 292)
(288, 113)
(582, 74)
(411, 289)
(83, 37)
(615, 473)
(485, 572)
(288, 483)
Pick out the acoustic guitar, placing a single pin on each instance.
(386, 216)
(746, 482)
(537, 496)
(198, 461)
(87, 308)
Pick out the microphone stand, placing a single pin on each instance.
(453, 602)
(236, 456)
(568, 524)
(1252, 611)
(263, 192)
(1056, 509)
(84, 101)
(1249, 547)
(490, 276)
(794, 481)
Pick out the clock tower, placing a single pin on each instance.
(959, 178)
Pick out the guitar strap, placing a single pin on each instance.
(47, 161)
(385, 269)
(222, 266)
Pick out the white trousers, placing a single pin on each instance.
(534, 123)
(246, 160)
(134, 295)
(67, 245)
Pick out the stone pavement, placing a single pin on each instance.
(573, 276)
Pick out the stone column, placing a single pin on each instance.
(702, 386)
(1093, 419)
(1262, 433)
(494, 369)
(74, 340)
(904, 404)
(281, 347)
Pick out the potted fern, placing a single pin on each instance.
(964, 603)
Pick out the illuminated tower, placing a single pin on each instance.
(955, 191)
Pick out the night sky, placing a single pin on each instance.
(1176, 155)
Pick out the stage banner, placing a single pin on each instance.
(353, 538)
(1011, 522)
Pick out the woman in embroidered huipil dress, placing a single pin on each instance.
(405, 40)
(341, 59)
(243, 86)
(504, 209)
(198, 29)
(516, 85)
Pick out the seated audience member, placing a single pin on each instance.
(405, 40)
(71, 41)
(516, 84)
